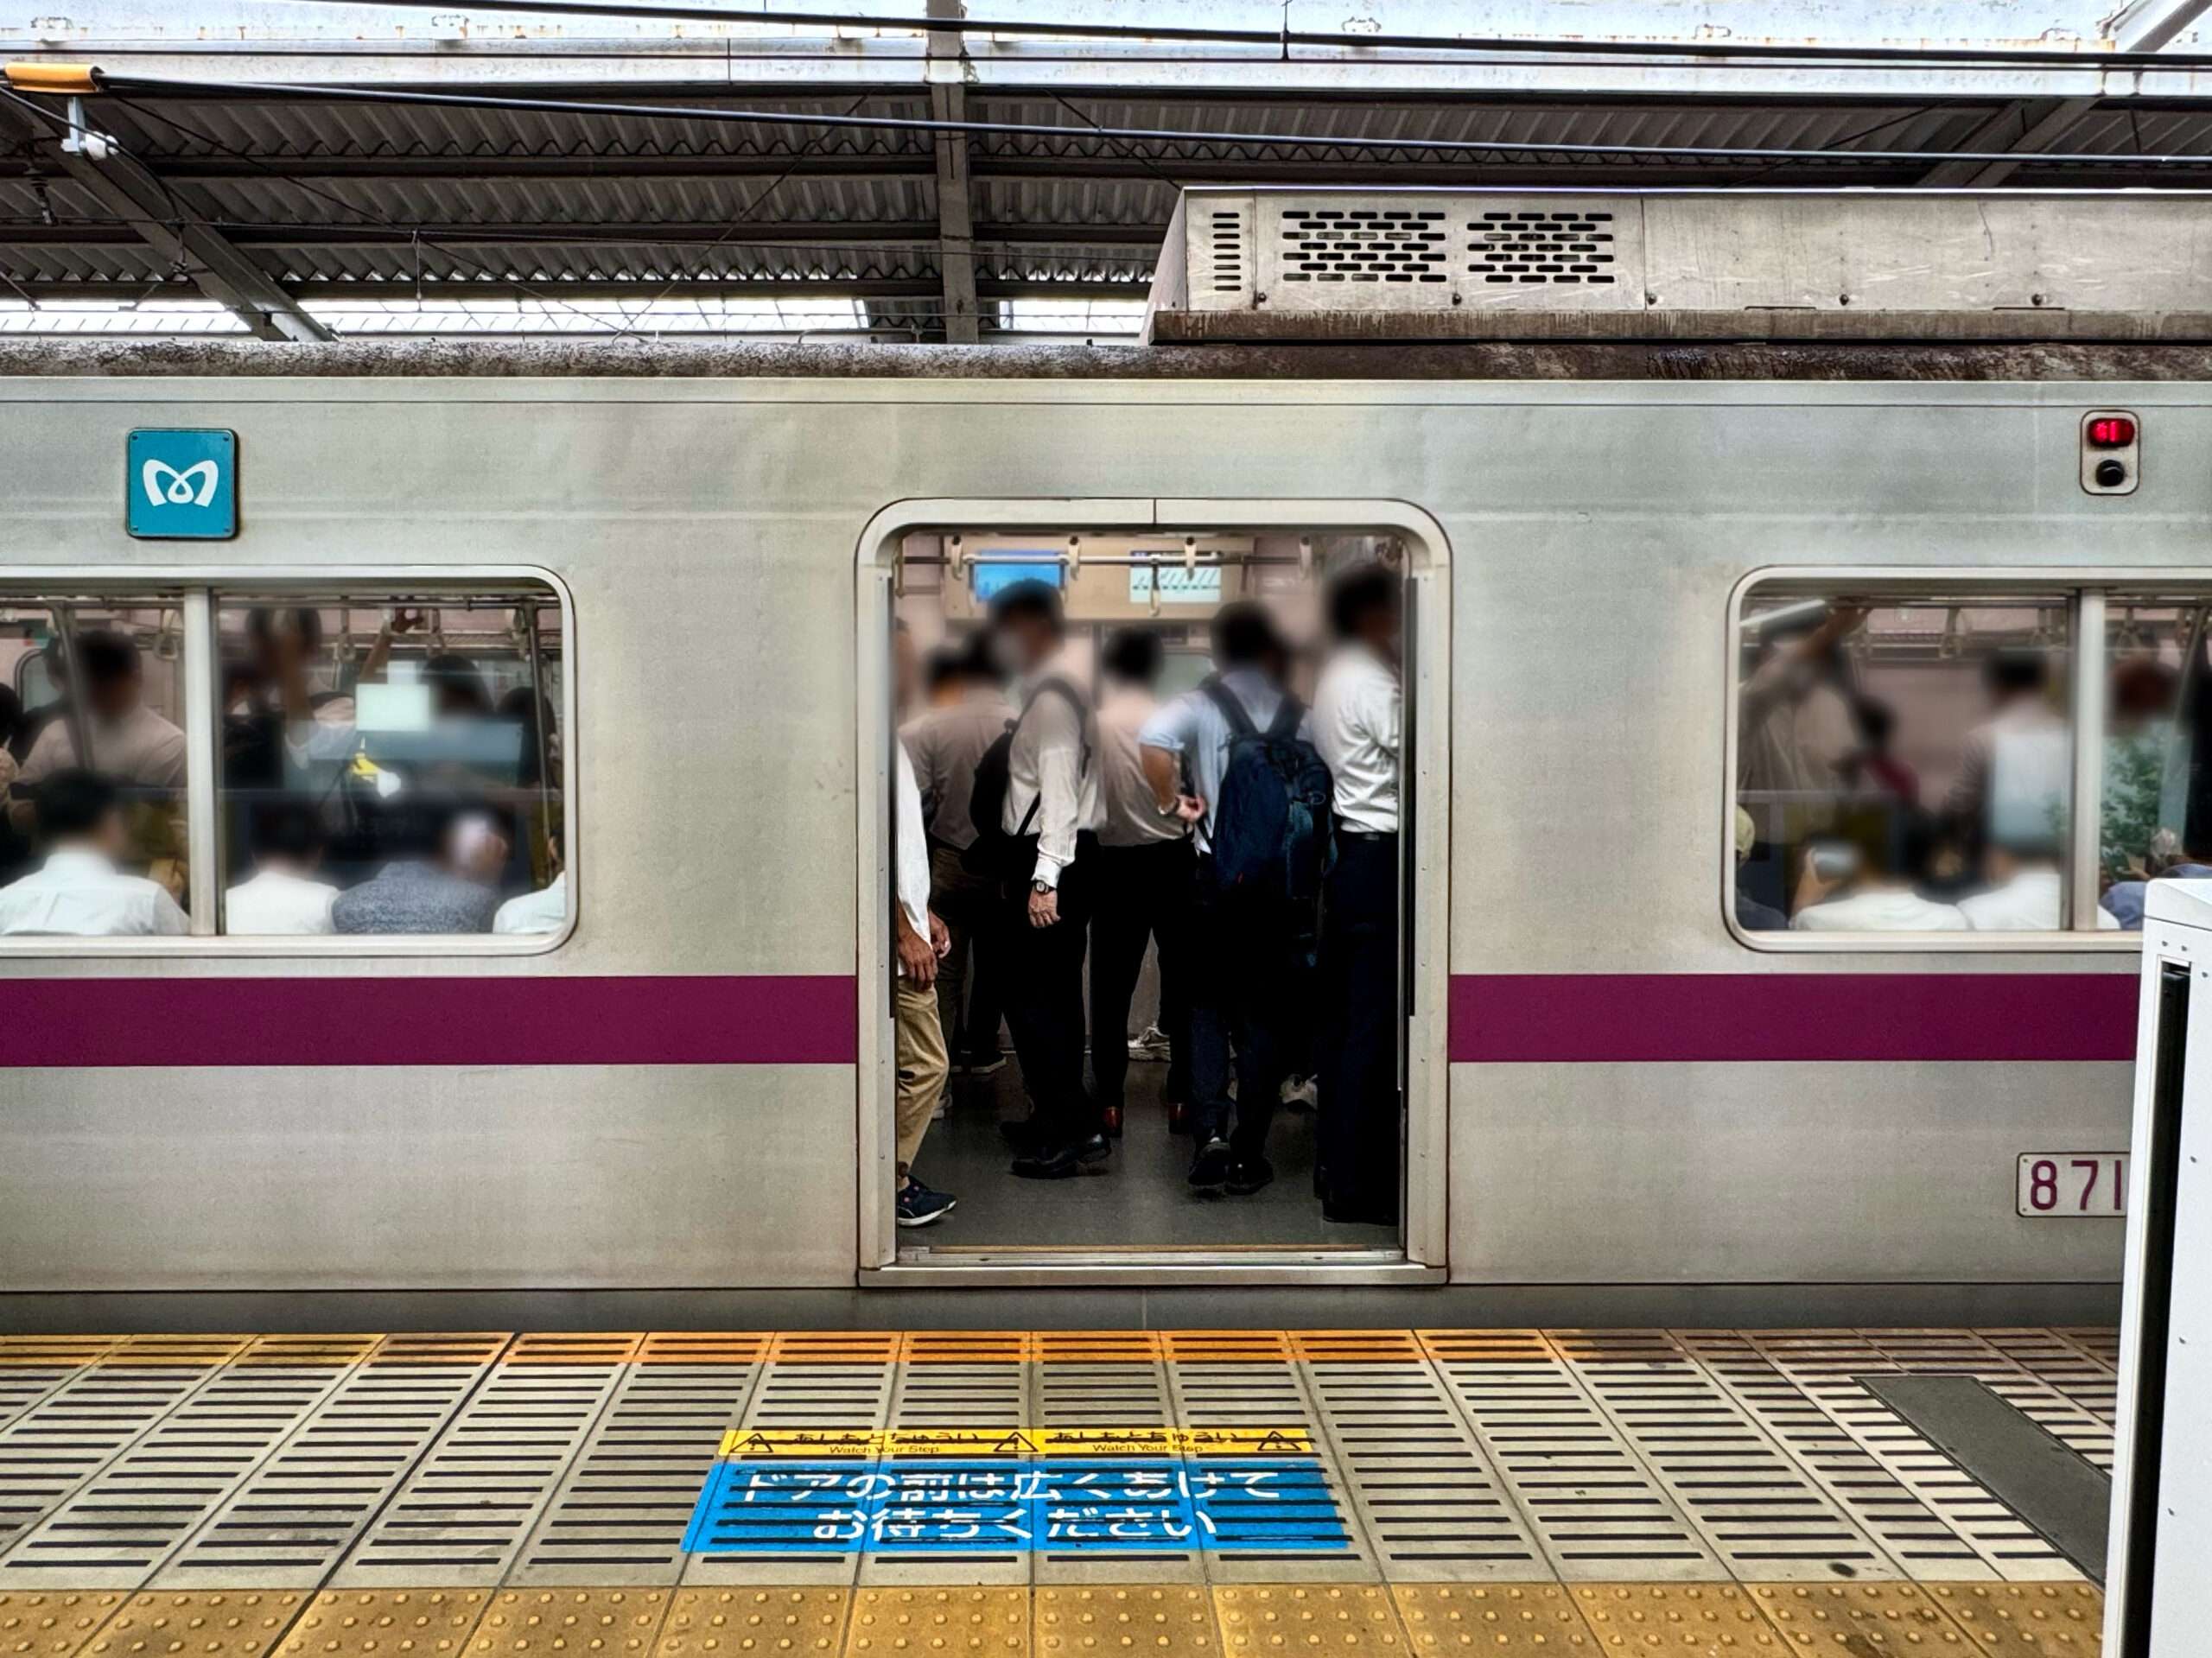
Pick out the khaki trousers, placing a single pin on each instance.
(923, 1064)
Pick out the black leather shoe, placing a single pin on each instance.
(1212, 1166)
(1247, 1174)
(1058, 1162)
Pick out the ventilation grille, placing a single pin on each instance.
(1562, 249)
(1332, 244)
(1224, 267)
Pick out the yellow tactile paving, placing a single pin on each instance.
(1503, 1620)
(1687, 1620)
(588, 1347)
(755, 1623)
(1859, 1620)
(835, 1347)
(55, 1351)
(52, 1624)
(703, 1347)
(199, 1623)
(269, 1350)
(386, 1623)
(938, 1623)
(1159, 1620)
(2027, 1620)
(1264, 1620)
(471, 1347)
(135, 1352)
(570, 1623)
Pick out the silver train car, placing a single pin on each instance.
(1611, 1080)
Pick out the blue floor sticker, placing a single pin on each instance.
(994, 1505)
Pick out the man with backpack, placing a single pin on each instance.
(1034, 809)
(1258, 795)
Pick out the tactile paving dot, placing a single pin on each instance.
(1859, 1620)
(1261, 1621)
(52, 1625)
(749, 1623)
(1506, 1619)
(386, 1623)
(939, 1623)
(574, 1623)
(1138, 1621)
(200, 1623)
(1704, 1618)
(2027, 1620)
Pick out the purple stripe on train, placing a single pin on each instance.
(1628, 1018)
(510, 1020)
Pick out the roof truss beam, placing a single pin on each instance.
(955, 211)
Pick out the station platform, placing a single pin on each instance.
(1190, 1494)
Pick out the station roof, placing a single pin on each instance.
(1026, 211)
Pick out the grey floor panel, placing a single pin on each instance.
(620, 1514)
(290, 1522)
(32, 1367)
(1600, 1513)
(1109, 1380)
(117, 1528)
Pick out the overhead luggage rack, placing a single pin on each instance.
(1287, 264)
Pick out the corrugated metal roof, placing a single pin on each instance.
(388, 201)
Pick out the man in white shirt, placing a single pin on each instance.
(281, 897)
(919, 942)
(544, 910)
(1356, 726)
(79, 893)
(1146, 864)
(1243, 944)
(1050, 813)
(1835, 894)
(131, 745)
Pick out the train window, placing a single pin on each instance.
(94, 836)
(391, 762)
(1904, 762)
(2155, 786)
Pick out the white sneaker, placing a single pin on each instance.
(1150, 1043)
(944, 1106)
(1303, 1093)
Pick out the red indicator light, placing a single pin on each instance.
(2111, 432)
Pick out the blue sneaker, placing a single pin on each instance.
(918, 1205)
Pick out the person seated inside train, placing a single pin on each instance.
(443, 874)
(544, 910)
(133, 747)
(1244, 936)
(1752, 914)
(282, 897)
(2164, 860)
(2014, 766)
(2023, 889)
(1793, 718)
(16, 850)
(80, 890)
(1839, 891)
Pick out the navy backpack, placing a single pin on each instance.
(1272, 834)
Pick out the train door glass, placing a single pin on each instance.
(1159, 1053)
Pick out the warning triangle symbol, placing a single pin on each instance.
(756, 1442)
(1015, 1444)
(1275, 1441)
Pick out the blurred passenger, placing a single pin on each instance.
(966, 714)
(1145, 862)
(1793, 724)
(437, 882)
(1357, 724)
(78, 892)
(530, 714)
(1837, 893)
(920, 943)
(544, 910)
(2164, 860)
(2014, 768)
(1752, 915)
(15, 844)
(1047, 831)
(2021, 894)
(31, 723)
(131, 745)
(1230, 736)
(282, 896)
(457, 688)
(1872, 765)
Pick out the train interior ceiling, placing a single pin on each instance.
(1141, 614)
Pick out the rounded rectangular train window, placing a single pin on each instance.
(391, 762)
(93, 839)
(1904, 761)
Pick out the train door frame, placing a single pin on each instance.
(1423, 1259)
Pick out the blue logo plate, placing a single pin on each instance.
(182, 485)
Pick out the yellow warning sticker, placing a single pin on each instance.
(749, 1443)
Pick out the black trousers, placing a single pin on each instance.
(1241, 958)
(1041, 984)
(1144, 894)
(1359, 1027)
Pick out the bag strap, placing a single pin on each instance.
(1074, 700)
(1285, 725)
(1240, 722)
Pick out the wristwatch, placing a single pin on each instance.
(1036, 885)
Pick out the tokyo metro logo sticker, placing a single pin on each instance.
(181, 484)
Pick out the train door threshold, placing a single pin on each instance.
(1028, 1268)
